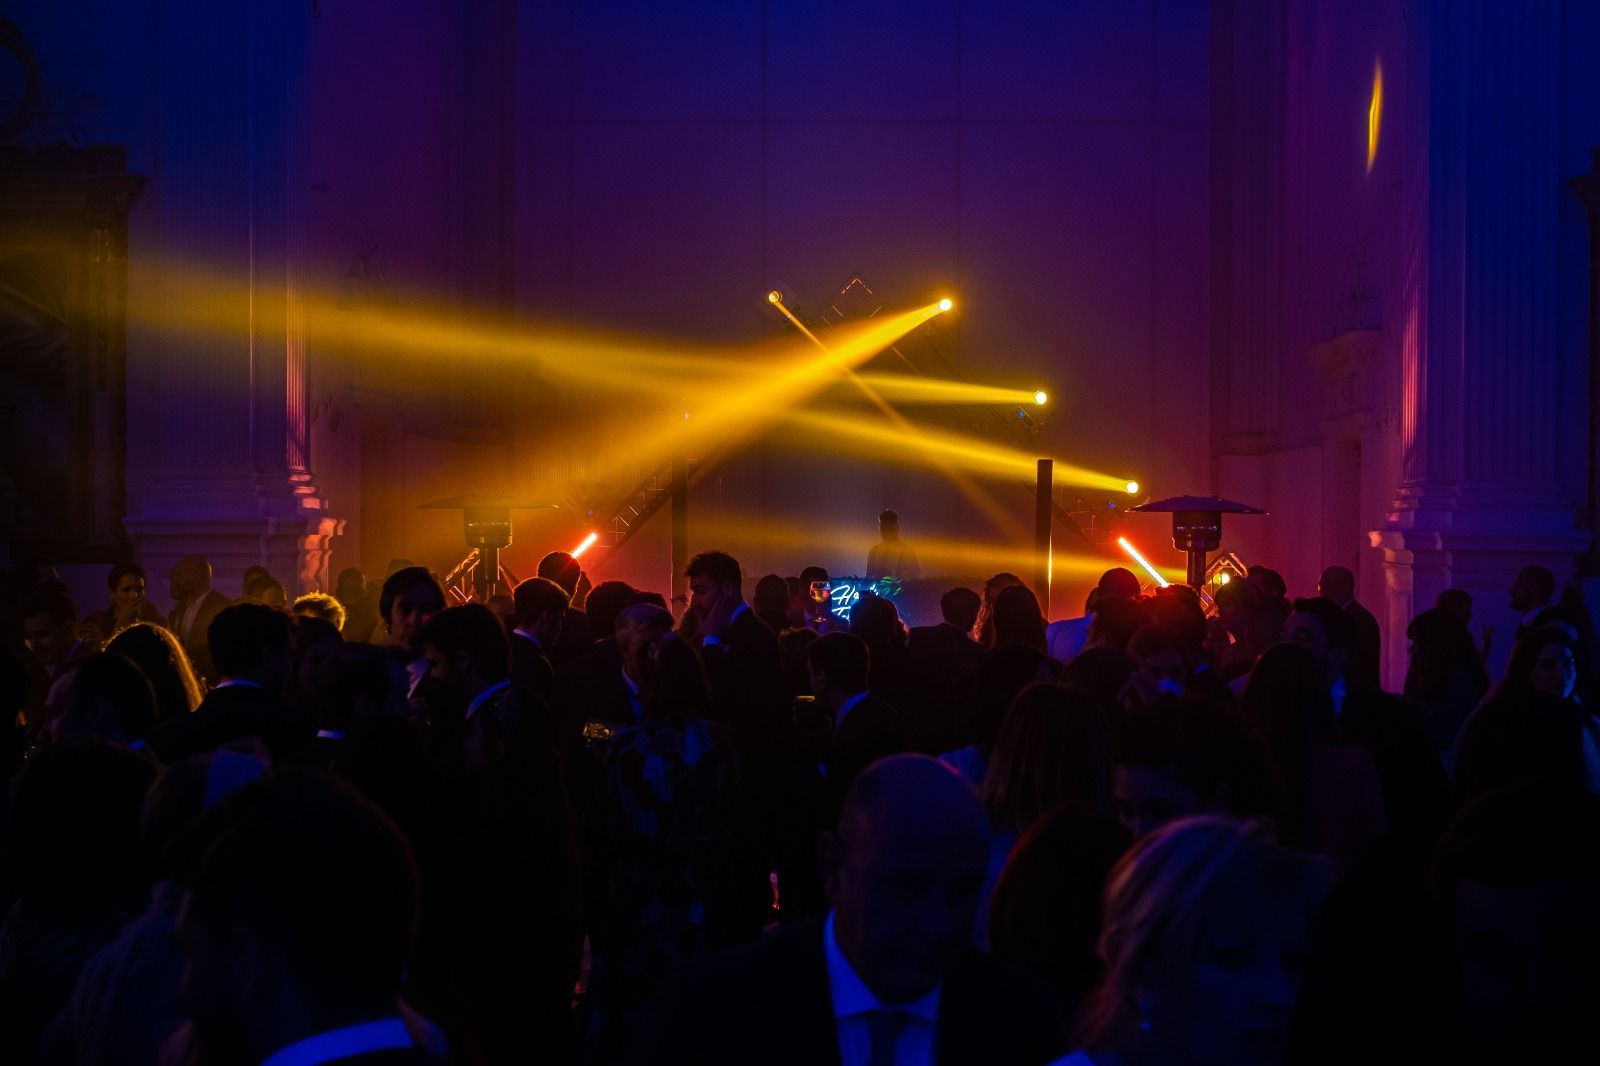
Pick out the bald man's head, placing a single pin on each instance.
(904, 871)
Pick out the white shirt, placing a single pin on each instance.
(525, 635)
(388, 1034)
(480, 698)
(239, 683)
(853, 1001)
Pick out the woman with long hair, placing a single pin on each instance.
(1332, 803)
(154, 650)
(1204, 937)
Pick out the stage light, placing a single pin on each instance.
(774, 297)
(588, 542)
(1041, 398)
(1133, 553)
(1224, 577)
(1132, 488)
(946, 304)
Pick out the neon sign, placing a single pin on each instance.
(845, 592)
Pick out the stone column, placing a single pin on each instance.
(1483, 367)
(234, 481)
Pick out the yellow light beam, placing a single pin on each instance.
(835, 431)
(910, 388)
(588, 542)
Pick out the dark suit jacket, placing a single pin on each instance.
(1366, 658)
(531, 671)
(196, 644)
(1416, 790)
(872, 730)
(592, 687)
(225, 715)
(769, 1003)
(944, 665)
(746, 680)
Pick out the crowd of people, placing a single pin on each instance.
(566, 826)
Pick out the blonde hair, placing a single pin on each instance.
(1158, 900)
(320, 605)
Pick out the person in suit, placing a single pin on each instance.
(739, 651)
(194, 605)
(865, 727)
(541, 613)
(1338, 584)
(1416, 791)
(943, 664)
(744, 666)
(889, 977)
(50, 628)
(595, 685)
(250, 643)
(572, 643)
(410, 596)
(1531, 592)
(298, 928)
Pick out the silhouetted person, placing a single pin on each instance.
(250, 645)
(411, 595)
(1054, 747)
(355, 596)
(740, 653)
(1517, 880)
(572, 643)
(298, 927)
(670, 820)
(943, 666)
(1065, 639)
(194, 605)
(1446, 678)
(1332, 802)
(1415, 789)
(126, 585)
(100, 697)
(876, 620)
(1366, 655)
(1044, 915)
(502, 940)
(1531, 592)
(262, 587)
(1200, 891)
(984, 632)
(865, 727)
(72, 854)
(891, 556)
(890, 975)
(771, 602)
(157, 653)
(542, 611)
(1529, 728)
(1180, 758)
(593, 687)
(50, 628)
